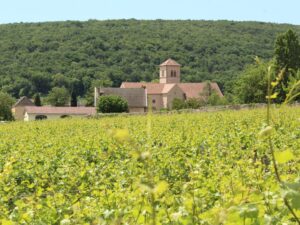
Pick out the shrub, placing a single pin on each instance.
(215, 99)
(178, 104)
(112, 104)
(194, 103)
(191, 103)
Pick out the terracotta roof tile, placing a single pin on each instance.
(60, 110)
(168, 87)
(152, 88)
(170, 62)
(193, 90)
(23, 101)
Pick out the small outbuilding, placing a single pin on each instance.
(49, 112)
(24, 109)
(18, 108)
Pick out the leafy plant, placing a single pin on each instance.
(290, 196)
(112, 104)
(6, 102)
(206, 168)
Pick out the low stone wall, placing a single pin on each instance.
(202, 109)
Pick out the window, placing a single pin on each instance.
(65, 116)
(40, 117)
(173, 73)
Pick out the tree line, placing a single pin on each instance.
(36, 57)
(62, 61)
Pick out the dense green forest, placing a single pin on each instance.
(35, 57)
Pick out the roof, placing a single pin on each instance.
(60, 110)
(23, 101)
(152, 88)
(135, 96)
(170, 62)
(193, 90)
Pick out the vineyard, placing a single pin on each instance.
(202, 168)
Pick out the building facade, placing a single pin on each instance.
(50, 112)
(25, 110)
(161, 95)
(18, 109)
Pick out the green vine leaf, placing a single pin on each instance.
(284, 157)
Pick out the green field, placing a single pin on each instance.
(204, 168)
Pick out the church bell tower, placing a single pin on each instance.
(169, 72)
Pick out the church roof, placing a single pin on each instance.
(191, 90)
(135, 96)
(23, 101)
(170, 62)
(152, 88)
(194, 90)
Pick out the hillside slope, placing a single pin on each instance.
(34, 57)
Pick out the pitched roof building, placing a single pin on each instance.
(23, 101)
(24, 109)
(161, 95)
(51, 112)
(136, 97)
(19, 106)
(54, 110)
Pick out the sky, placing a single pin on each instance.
(278, 11)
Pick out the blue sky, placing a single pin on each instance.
(278, 11)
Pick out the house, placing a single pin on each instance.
(136, 97)
(25, 110)
(161, 95)
(18, 109)
(51, 112)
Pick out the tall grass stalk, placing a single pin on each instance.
(271, 147)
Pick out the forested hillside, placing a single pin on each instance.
(36, 57)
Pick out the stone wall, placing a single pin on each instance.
(202, 109)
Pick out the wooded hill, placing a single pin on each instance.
(34, 57)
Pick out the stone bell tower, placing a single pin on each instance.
(169, 72)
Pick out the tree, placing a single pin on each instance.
(287, 56)
(58, 96)
(60, 80)
(112, 104)
(251, 85)
(6, 102)
(41, 82)
(293, 88)
(73, 99)
(37, 100)
(287, 51)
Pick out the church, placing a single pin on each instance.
(158, 95)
